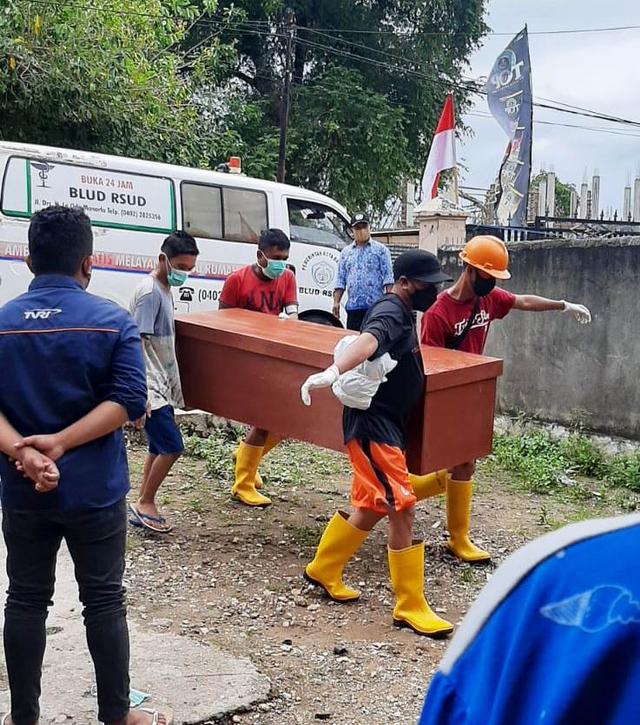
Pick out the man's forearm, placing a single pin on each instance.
(8, 437)
(534, 303)
(102, 420)
(337, 296)
(357, 352)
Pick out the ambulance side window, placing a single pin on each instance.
(245, 214)
(202, 210)
(312, 223)
(214, 212)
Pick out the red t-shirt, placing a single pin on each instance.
(246, 290)
(448, 317)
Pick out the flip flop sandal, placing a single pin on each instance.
(155, 715)
(4, 719)
(147, 521)
(134, 520)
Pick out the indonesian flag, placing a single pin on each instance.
(442, 154)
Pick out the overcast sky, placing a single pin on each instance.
(597, 71)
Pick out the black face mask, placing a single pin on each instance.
(422, 299)
(482, 286)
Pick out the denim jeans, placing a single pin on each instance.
(96, 540)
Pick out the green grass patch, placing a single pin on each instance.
(545, 464)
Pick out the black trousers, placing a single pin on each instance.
(355, 319)
(96, 540)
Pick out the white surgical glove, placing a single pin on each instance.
(580, 312)
(324, 379)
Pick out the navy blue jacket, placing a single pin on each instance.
(63, 351)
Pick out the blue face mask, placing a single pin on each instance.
(274, 268)
(176, 277)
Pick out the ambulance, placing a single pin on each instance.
(134, 204)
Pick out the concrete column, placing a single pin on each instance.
(636, 200)
(573, 201)
(595, 196)
(584, 213)
(626, 208)
(542, 197)
(551, 192)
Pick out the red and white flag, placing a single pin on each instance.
(442, 154)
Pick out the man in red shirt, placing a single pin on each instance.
(266, 286)
(460, 320)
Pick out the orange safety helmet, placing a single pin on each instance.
(488, 254)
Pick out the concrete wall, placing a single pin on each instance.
(556, 368)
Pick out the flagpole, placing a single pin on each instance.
(455, 168)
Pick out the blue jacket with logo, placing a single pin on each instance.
(63, 352)
(554, 637)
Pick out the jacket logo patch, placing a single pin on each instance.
(40, 314)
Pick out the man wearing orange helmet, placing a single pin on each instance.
(460, 320)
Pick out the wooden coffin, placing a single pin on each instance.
(249, 367)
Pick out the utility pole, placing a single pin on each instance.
(286, 91)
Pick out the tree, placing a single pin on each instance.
(563, 194)
(193, 81)
(563, 198)
(108, 78)
(411, 54)
(347, 141)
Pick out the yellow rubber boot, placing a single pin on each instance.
(247, 460)
(433, 484)
(338, 544)
(271, 442)
(458, 515)
(406, 567)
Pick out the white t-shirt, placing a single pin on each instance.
(152, 308)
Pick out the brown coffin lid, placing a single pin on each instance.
(311, 344)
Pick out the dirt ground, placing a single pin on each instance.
(232, 576)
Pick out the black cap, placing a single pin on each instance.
(420, 265)
(360, 217)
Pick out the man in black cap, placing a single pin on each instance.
(364, 271)
(375, 440)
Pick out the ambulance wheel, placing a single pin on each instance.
(319, 317)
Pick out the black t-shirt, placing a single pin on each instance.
(390, 321)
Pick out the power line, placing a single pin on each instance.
(612, 131)
(356, 45)
(482, 114)
(396, 57)
(472, 87)
(445, 33)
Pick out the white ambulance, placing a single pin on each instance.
(134, 205)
